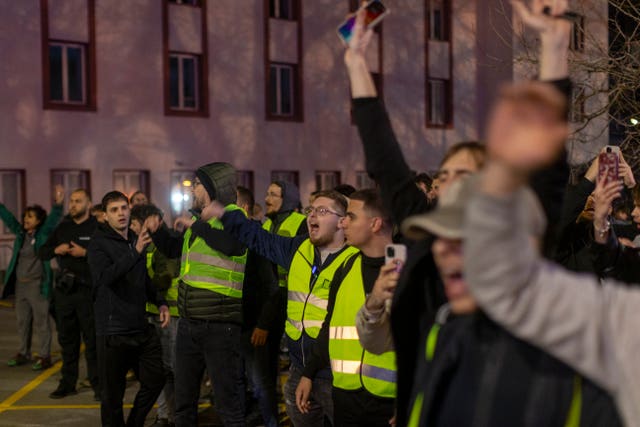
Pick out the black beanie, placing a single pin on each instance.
(220, 181)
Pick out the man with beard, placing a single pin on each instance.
(72, 295)
(311, 263)
(209, 299)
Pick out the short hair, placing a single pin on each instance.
(113, 196)
(345, 189)
(38, 211)
(83, 191)
(339, 199)
(245, 197)
(97, 208)
(475, 148)
(142, 212)
(373, 203)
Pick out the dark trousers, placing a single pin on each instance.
(75, 322)
(117, 354)
(360, 408)
(216, 346)
(261, 364)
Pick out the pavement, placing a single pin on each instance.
(24, 393)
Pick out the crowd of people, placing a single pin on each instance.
(504, 312)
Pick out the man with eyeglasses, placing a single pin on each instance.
(212, 273)
(312, 262)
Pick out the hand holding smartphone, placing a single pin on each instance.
(395, 253)
(375, 11)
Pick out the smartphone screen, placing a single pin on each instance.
(375, 11)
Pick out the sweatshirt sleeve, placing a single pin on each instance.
(278, 249)
(374, 331)
(569, 315)
(10, 221)
(169, 245)
(385, 162)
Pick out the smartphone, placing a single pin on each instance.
(395, 252)
(375, 12)
(608, 162)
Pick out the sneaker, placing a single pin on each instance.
(42, 363)
(61, 392)
(19, 359)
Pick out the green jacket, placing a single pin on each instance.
(42, 234)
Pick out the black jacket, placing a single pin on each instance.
(121, 284)
(481, 375)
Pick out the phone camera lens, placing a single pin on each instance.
(391, 252)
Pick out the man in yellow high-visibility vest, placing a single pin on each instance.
(364, 384)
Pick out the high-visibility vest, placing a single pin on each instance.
(308, 290)
(172, 293)
(288, 228)
(206, 268)
(352, 366)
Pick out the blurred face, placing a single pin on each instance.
(273, 199)
(447, 254)
(139, 199)
(200, 196)
(635, 215)
(323, 221)
(357, 224)
(30, 221)
(79, 205)
(99, 215)
(118, 215)
(460, 164)
(136, 226)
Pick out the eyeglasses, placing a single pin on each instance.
(320, 211)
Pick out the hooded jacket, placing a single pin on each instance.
(121, 285)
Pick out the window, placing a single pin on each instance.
(187, 2)
(576, 43)
(130, 181)
(438, 22)
(68, 65)
(245, 179)
(286, 176)
(363, 180)
(282, 9)
(184, 82)
(12, 194)
(66, 73)
(327, 180)
(181, 192)
(438, 102)
(578, 98)
(71, 180)
(282, 89)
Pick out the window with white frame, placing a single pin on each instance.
(438, 102)
(282, 9)
(67, 71)
(281, 89)
(71, 180)
(363, 180)
(327, 180)
(184, 81)
(245, 179)
(129, 181)
(12, 191)
(181, 191)
(576, 42)
(286, 176)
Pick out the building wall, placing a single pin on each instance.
(129, 130)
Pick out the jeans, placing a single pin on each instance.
(261, 364)
(74, 319)
(167, 398)
(321, 401)
(116, 355)
(216, 347)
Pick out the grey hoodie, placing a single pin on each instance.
(590, 326)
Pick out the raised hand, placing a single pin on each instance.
(143, 240)
(152, 223)
(212, 210)
(58, 194)
(603, 197)
(625, 172)
(384, 286)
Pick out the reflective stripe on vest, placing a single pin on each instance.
(352, 366)
(288, 228)
(307, 308)
(205, 268)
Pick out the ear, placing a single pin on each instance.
(376, 224)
